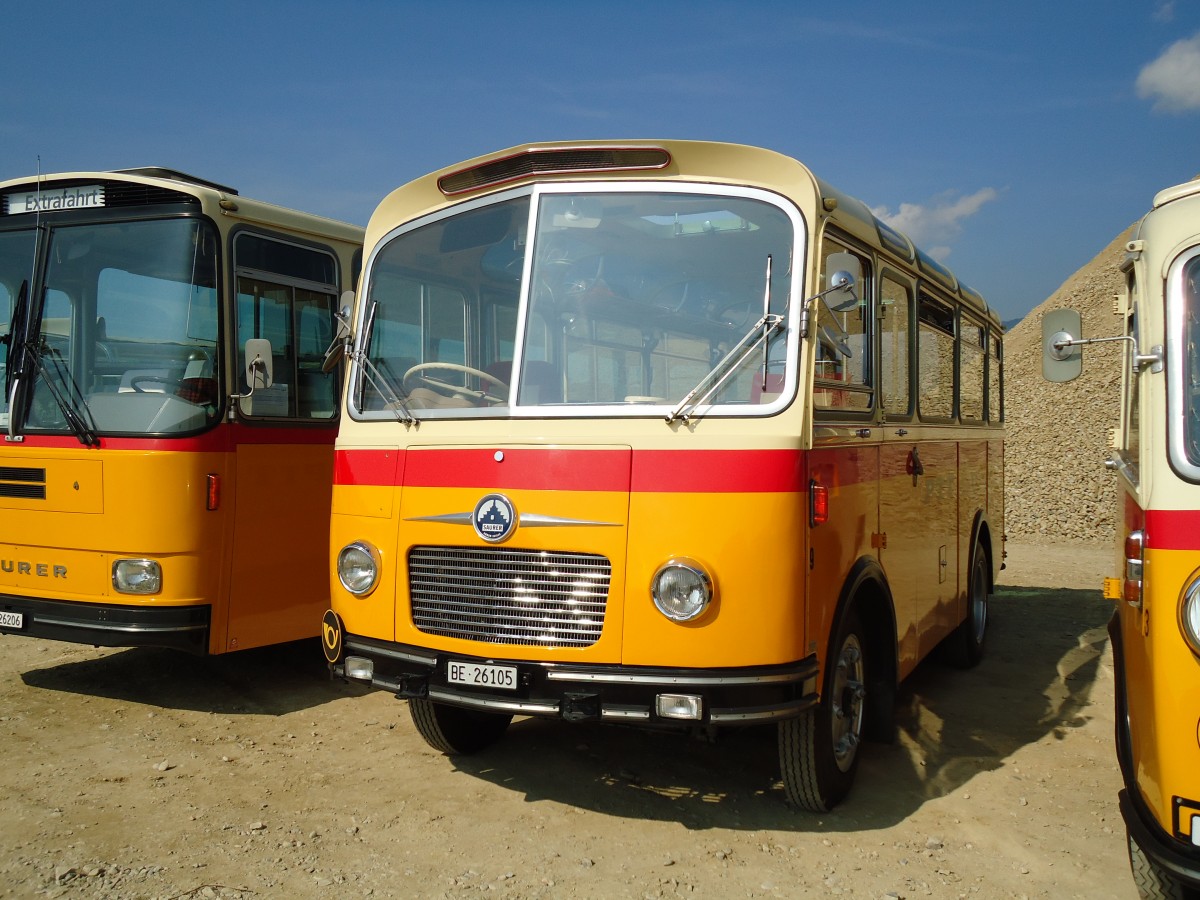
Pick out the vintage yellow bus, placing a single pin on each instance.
(664, 434)
(168, 428)
(1155, 629)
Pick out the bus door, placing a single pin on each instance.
(287, 295)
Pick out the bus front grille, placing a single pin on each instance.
(539, 598)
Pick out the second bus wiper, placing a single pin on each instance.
(85, 431)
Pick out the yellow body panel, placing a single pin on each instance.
(1162, 680)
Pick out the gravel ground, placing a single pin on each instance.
(141, 773)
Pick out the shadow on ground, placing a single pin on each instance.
(264, 681)
(1044, 648)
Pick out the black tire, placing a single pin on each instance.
(964, 646)
(1151, 881)
(818, 752)
(455, 730)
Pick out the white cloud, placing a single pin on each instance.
(1165, 11)
(937, 222)
(1173, 80)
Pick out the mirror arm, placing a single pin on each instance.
(1062, 340)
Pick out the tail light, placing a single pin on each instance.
(818, 498)
(1135, 554)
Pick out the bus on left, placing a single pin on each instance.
(167, 422)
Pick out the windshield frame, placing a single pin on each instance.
(1183, 358)
(81, 422)
(788, 304)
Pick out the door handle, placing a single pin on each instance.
(914, 463)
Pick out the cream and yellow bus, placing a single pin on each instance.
(168, 429)
(1155, 629)
(660, 434)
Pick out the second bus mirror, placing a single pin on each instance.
(1062, 355)
(260, 368)
(341, 338)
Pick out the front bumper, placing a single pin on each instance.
(110, 625)
(578, 692)
(1168, 854)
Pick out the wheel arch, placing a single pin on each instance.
(866, 589)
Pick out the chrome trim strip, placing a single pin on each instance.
(762, 714)
(430, 660)
(625, 713)
(494, 703)
(110, 626)
(524, 520)
(669, 680)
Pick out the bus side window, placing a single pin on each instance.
(895, 350)
(844, 339)
(935, 358)
(287, 294)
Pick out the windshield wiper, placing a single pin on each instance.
(84, 430)
(760, 333)
(16, 357)
(377, 379)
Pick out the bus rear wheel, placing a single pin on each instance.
(964, 646)
(455, 730)
(818, 752)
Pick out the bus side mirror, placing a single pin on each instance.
(1062, 351)
(341, 338)
(260, 366)
(844, 272)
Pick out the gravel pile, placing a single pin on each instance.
(1059, 435)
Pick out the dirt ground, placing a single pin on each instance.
(143, 773)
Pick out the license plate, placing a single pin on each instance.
(482, 675)
(12, 620)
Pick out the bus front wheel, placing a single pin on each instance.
(818, 752)
(1151, 881)
(455, 730)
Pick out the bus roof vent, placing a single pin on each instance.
(553, 161)
(175, 175)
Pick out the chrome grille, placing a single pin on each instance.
(499, 596)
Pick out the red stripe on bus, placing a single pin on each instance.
(1173, 529)
(665, 471)
(222, 439)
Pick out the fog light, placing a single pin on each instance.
(1189, 616)
(679, 706)
(137, 576)
(359, 667)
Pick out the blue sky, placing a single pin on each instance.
(1013, 140)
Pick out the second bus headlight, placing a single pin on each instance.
(358, 568)
(1189, 616)
(682, 589)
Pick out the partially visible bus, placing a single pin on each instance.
(669, 434)
(167, 425)
(1155, 629)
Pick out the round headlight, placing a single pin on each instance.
(1189, 616)
(358, 568)
(681, 589)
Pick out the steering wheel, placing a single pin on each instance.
(163, 384)
(416, 377)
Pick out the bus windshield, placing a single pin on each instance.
(125, 318)
(608, 301)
